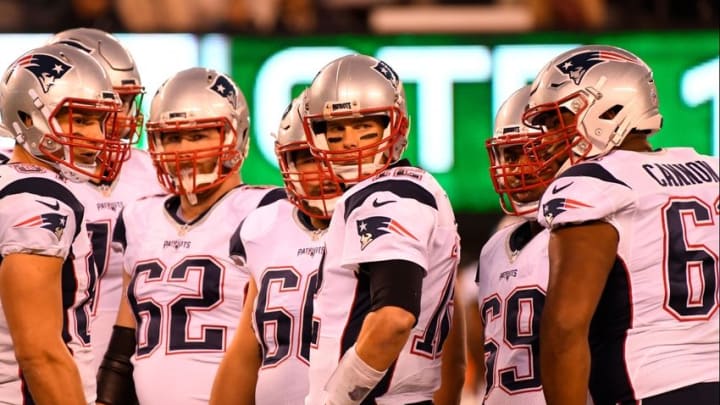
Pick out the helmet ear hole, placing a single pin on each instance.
(611, 112)
(25, 118)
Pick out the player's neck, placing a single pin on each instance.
(20, 155)
(535, 228)
(636, 142)
(319, 223)
(206, 199)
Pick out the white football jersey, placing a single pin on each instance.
(512, 279)
(400, 214)
(40, 215)
(283, 256)
(103, 204)
(656, 327)
(186, 292)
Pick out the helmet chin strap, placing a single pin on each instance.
(187, 181)
(529, 208)
(327, 205)
(351, 171)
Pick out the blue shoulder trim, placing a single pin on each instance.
(592, 170)
(272, 196)
(401, 188)
(44, 187)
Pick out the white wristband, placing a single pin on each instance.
(352, 380)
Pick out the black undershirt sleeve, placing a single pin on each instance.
(395, 283)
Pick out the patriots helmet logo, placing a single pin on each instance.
(576, 66)
(372, 228)
(557, 206)
(388, 72)
(225, 88)
(46, 68)
(54, 223)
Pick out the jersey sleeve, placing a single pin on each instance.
(38, 216)
(392, 220)
(586, 192)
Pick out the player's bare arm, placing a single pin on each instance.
(238, 372)
(453, 360)
(125, 315)
(475, 335)
(575, 285)
(33, 308)
(383, 335)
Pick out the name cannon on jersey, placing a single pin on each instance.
(682, 174)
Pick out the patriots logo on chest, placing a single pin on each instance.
(46, 68)
(576, 66)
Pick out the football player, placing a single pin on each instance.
(56, 102)
(383, 306)
(184, 293)
(512, 270)
(103, 200)
(272, 346)
(632, 300)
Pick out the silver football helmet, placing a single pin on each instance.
(120, 66)
(308, 184)
(356, 86)
(191, 100)
(509, 167)
(523, 160)
(59, 80)
(598, 93)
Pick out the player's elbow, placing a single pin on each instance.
(33, 356)
(396, 321)
(558, 330)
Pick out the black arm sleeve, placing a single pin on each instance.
(395, 283)
(115, 384)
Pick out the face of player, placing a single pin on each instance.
(193, 148)
(86, 127)
(355, 134)
(555, 120)
(549, 152)
(125, 125)
(311, 173)
(528, 176)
